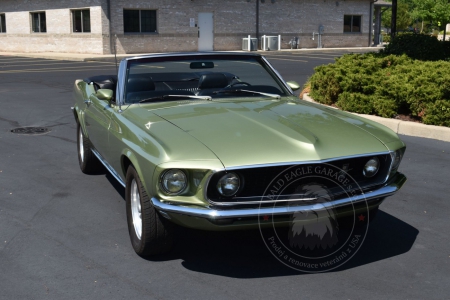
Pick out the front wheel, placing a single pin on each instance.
(89, 164)
(150, 233)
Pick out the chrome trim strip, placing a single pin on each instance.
(108, 167)
(190, 54)
(390, 167)
(120, 87)
(305, 162)
(260, 202)
(205, 190)
(278, 74)
(205, 212)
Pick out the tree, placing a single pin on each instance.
(404, 18)
(436, 12)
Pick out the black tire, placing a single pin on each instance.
(89, 164)
(157, 233)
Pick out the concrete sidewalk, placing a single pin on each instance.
(405, 127)
(110, 57)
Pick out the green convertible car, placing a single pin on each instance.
(202, 139)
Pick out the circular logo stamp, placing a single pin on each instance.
(318, 217)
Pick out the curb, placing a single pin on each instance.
(403, 127)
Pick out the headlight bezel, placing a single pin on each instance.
(396, 155)
(165, 189)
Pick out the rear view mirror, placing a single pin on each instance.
(202, 65)
(104, 94)
(293, 85)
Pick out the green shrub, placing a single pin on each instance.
(437, 113)
(416, 46)
(446, 49)
(355, 102)
(386, 38)
(385, 85)
(325, 87)
(386, 108)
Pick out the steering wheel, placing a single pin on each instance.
(239, 83)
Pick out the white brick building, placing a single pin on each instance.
(89, 26)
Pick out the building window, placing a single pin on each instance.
(38, 23)
(139, 20)
(2, 23)
(81, 20)
(352, 23)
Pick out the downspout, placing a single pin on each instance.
(257, 24)
(371, 22)
(108, 16)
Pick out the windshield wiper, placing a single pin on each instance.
(178, 97)
(237, 91)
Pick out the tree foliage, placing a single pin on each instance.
(434, 13)
(404, 18)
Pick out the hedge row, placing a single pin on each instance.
(386, 85)
(419, 46)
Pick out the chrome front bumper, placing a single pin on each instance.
(390, 188)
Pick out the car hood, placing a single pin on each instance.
(274, 131)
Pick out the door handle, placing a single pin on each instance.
(198, 32)
(87, 102)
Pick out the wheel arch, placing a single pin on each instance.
(127, 159)
(79, 118)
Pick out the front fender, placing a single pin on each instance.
(145, 172)
(81, 92)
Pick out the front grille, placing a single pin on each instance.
(255, 181)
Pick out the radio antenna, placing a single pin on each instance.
(115, 52)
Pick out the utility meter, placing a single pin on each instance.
(321, 29)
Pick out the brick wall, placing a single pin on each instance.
(59, 36)
(233, 20)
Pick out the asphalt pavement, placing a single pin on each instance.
(63, 234)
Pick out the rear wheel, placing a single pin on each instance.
(89, 164)
(150, 233)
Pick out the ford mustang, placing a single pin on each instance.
(197, 140)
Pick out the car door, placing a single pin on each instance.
(98, 118)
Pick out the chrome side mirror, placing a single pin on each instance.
(293, 85)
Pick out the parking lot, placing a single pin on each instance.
(63, 234)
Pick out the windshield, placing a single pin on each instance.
(214, 76)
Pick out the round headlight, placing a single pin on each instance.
(228, 185)
(371, 167)
(174, 181)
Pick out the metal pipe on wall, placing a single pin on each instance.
(108, 16)
(257, 23)
(371, 22)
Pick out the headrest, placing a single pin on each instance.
(140, 84)
(103, 81)
(212, 81)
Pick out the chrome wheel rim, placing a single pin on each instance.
(80, 145)
(136, 209)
